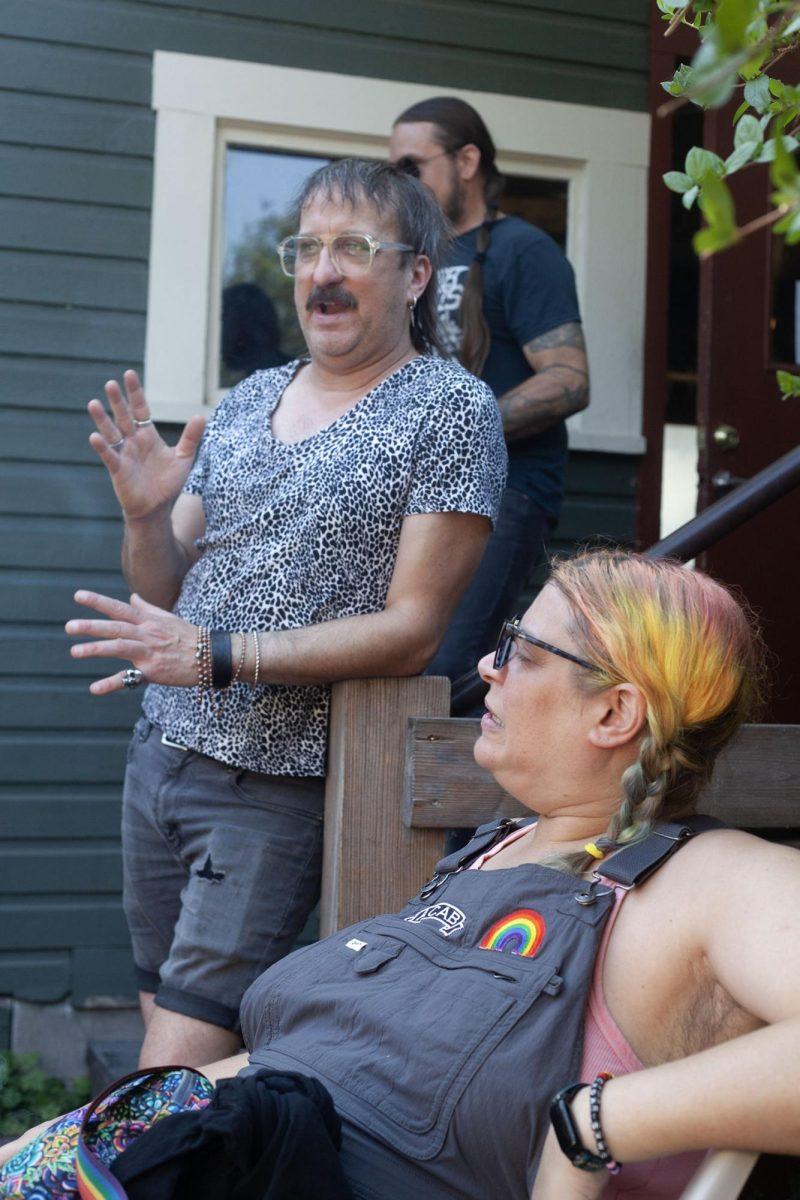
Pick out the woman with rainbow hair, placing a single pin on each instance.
(579, 1004)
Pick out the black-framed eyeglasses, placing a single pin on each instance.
(409, 164)
(511, 632)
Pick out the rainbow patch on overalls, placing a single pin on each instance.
(520, 932)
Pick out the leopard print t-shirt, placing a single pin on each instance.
(304, 533)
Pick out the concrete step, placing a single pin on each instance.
(108, 1059)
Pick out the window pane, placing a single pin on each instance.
(259, 326)
(543, 202)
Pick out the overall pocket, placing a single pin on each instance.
(397, 1023)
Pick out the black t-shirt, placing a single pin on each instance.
(528, 289)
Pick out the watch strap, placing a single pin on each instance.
(566, 1130)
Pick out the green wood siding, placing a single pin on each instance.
(76, 146)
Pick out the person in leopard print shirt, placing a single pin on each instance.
(329, 519)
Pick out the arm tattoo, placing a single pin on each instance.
(563, 367)
(551, 395)
(554, 392)
(570, 334)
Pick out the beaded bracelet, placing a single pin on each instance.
(203, 656)
(257, 670)
(240, 663)
(595, 1092)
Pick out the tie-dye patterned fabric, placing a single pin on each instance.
(46, 1168)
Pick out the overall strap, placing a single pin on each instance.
(632, 865)
(483, 839)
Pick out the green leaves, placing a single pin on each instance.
(699, 163)
(680, 82)
(757, 94)
(28, 1096)
(739, 41)
(732, 21)
(788, 383)
(716, 205)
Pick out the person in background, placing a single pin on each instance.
(251, 335)
(337, 508)
(509, 311)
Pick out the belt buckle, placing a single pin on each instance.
(166, 741)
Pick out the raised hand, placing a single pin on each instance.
(157, 643)
(147, 474)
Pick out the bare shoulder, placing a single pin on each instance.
(715, 937)
(715, 857)
(720, 872)
(737, 900)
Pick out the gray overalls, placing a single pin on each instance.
(443, 1031)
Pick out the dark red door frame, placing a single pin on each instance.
(663, 55)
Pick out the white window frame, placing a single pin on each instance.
(202, 104)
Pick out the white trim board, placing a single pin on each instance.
(201, 101)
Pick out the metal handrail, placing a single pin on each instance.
(708, 527)
(731, 511)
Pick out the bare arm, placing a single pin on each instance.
(559, 388)
(157, 551)
(226, 1068)
(437, 556)
(741, 1094)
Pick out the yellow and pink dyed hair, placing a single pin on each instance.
(692, 651)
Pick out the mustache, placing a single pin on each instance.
(330, 295)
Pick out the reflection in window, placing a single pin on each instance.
(259, 325)
(543, 202)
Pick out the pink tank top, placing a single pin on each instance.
(605, 1049)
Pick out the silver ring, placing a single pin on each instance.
(139, 424)
(132, 678)
(117, 445)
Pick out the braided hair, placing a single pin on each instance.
(697, 658)
(457, 124)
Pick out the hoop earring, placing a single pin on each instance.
(412, 304)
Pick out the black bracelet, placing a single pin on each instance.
(595, 1092)
(566, 1130)
(221, 659)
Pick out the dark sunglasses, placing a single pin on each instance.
(411, 166)
(509, 634)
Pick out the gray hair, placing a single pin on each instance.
(419, 222)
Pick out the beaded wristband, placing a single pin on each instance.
(221, 659)
(240, 663)
(257, 670)
(203, 656)
(595, 1092)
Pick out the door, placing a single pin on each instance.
(712, 365)
(749, 326)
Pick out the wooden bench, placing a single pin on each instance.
(401, 771)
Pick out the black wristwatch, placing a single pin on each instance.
(569, 1139)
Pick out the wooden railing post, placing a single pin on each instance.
(372, 862)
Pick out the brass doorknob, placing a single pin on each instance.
(726, 437)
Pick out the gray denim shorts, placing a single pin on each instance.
(221, 870)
